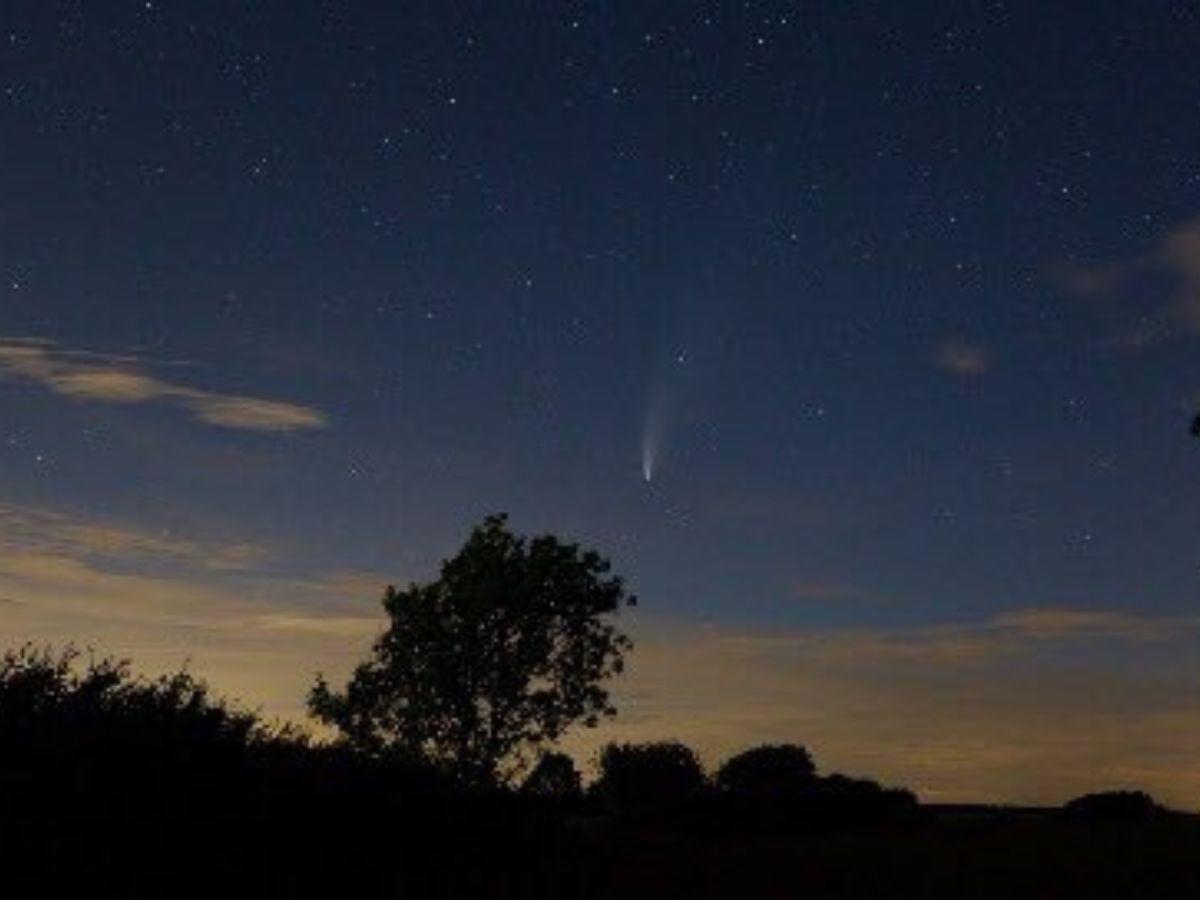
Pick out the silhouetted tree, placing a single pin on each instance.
(1113, 806)
(772, 769)
(840, 798)
(505, 651)
(649, 779)
(554, 776)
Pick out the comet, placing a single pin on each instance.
(647, 463)
(653, 430)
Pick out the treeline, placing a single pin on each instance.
(123, 744)
(155, 785)
(770, 787)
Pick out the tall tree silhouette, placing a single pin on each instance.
(500, 655)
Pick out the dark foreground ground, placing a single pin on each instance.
(962, 860)
(527, 853)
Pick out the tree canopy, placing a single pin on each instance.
(658, 777)
(1114, 806)
(554, 776)
(768, 769)
(499, 656)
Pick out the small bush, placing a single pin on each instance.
(94, 731)
(840, 799)
(771, 770)
(640, 780)
(1113, 806)
(554, 776)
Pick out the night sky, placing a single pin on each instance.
(860, 337)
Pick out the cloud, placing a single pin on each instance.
(963, 358)
(357, 627)
(1180, 253)
(1003, 637)
(1068, 624)
(49, 532)
(823, 591)
(1169, 274)
(101, 378)
(1089, 280)
(350, 585)
(253, 414)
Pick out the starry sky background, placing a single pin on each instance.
(897, 304)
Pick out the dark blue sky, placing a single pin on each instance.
(903, 301)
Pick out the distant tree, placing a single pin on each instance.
(499, 656)
(1113, 806)
(842, 798)
(772, 769)
(642, 779)
(555, 776)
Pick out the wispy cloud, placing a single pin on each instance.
(101, 378)
(257, 626)
(807, 590)
(1004, 637)
(50, 532)
(1008, 634)
(963, 358)
(1079, 624)
(1162, 284)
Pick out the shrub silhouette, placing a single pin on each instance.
(110, 779)
(662, 778)
(841, 799)
(1113, 806)
(45, 697)
(499, 656)
(554, 776)
(93, 730)
(767, 787)
(768, 770)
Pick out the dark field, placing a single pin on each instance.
(490, 848)
(1009, 859)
